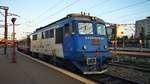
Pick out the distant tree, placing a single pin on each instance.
(125, 37)
(118, 38)
(121, 38)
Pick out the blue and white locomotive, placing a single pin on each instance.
(79, 39)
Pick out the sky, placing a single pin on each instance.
(37, 13)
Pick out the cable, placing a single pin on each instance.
(98, 4)
(3, 2)
(37, 17)
(135, 13)
(49, 9)
(130, 19)
(2, 14)
(58, 11)
(125, 7)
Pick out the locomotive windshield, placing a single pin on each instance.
(85, 28)
(101, 30)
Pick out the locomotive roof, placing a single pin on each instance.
(72, 15)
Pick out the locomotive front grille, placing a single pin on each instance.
(90, 61)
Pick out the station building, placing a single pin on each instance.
(145, 24)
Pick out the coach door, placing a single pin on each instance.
(62, 32)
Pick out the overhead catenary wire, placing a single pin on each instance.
(60, 10)
(55, 13)
(49, 9)
(2, 14)
(135, 14)
(125, 7)
(128, 15)
(130, 19)
(44, 12)
(97, 4)
(3, 2)
(92, 7)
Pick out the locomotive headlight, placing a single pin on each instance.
(105, 46)
(84, 47)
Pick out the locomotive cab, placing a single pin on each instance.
(87, 46)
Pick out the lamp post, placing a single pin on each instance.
(14, 42)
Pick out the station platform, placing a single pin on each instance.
(27, 71)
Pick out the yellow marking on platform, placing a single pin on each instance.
(75, 76)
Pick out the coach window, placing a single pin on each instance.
(51, 33)
(34, 37)
(59, 35)
(66, 30)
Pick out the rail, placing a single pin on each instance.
(110, 79)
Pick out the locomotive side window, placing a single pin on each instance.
(46, 34)
(85, 28)
(101, 30)
(51, 33)
(34, 37)
(59, 35)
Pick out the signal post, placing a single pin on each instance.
(6, 30)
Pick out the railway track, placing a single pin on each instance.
(110, 79)
(131, 66)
